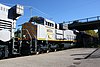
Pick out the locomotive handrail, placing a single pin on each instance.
(31, 39)
(28, 34)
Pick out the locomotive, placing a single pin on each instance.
(8, 18)
(46, 35)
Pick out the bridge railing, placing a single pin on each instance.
(85, 20)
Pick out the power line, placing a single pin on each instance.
(31, 9)
(8, 4)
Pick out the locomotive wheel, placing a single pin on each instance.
(47, 51)
(55, 50)
(37, 53)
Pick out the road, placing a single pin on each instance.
(92, 61)
(65, 58)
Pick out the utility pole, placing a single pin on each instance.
(30, 8)
(30, 11)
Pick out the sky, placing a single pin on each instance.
(57, 10)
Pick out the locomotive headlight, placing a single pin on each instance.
(50, 36)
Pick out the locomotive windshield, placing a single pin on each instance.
(49, 23)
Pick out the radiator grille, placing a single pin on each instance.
(5, 25)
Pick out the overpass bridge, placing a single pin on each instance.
(91, 23)
(85, 24)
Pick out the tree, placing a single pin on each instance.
(36, 19)
(92, 33)
(18, 33)
(32, 19)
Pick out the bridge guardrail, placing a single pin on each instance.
(85, 20)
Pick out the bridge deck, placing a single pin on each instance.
(85, 24)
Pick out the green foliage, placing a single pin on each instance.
(37, 19)
(93, 45)
(94, 42)
(92, 33)
(34, 19)
(18, 33)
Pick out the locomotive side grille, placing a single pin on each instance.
(5, 25)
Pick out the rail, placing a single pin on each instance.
(85, 20)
